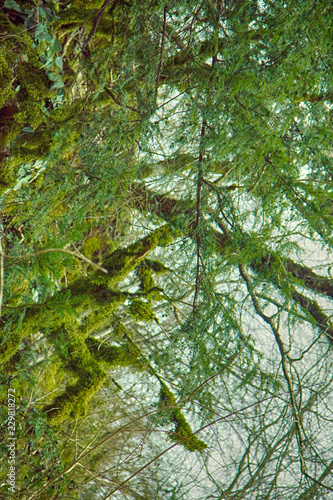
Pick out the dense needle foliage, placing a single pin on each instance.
(165, 249)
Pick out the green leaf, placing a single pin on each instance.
(11, 4)
(58, 61)
(39, 31)
(57, 85)
(56, 46)
(42, 12)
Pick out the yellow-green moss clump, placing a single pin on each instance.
(141, 311)
(124, 260)
(82, 13)
(146, 278)
(74, 402)
(128, 354)
(26, 128)
(6, 75)
(23, 85)
(183, 433)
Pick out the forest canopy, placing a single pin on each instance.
(166, 282)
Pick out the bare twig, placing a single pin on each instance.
(197, 220)
(270, 322)
(76, 254)
(161, 51)
(208, 425)
(113, 97)
(97, 20)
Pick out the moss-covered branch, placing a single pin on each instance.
(94, 296)
(182, 433)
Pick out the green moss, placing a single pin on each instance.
(74, 16)
(91, 245)
(26, 149)
(34, 85)
(53, 376)
(10, 345)
(74, 402)
(23, 90)
(182, 433)
(141, 311)
(78, 13)
(156, 266)
(123, 261)
(80, 362)
(77, 358)
(64, 113)
(82, 359)
(11, 337)
(125, 355)
(100, 317)
(145, 276)
(6, 75)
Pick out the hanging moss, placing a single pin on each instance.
(125, 355)
(85, 359)
(100, 317)
(156, 266)
(183, 433)
(84, 292)
(146, 278)
(74, 402)
(141, 311)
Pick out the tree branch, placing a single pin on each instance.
(161, 50)
(76, 254)
(97, 20)
(282, 350)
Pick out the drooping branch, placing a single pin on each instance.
(311, 306)
(168, 208)
(197, 220)
(278, 339)
(171, 209)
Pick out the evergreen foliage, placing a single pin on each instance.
(166, 248)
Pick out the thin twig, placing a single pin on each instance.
(197, 220)
(161, 51)
(269, 321)
(50, 250)
(113, 97)
(184, 439)
(96, 22)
